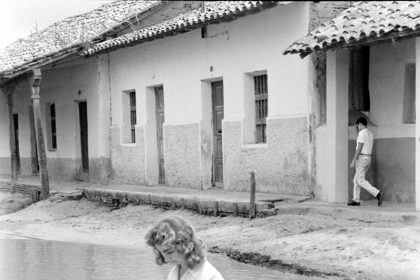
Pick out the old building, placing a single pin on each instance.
(195, 94)
(372, 50)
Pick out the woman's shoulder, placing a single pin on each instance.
(173, 274)
(209, 272)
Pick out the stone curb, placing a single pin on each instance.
(356, 214)
(206, 206)
(200, 205)
(26, 189)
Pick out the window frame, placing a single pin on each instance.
(409, 99)
(51, 126)
(261, 107)
(133, 115)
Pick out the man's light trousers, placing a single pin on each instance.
(362, 166)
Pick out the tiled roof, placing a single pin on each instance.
(364, 22)
(66, 36)
(213, 12)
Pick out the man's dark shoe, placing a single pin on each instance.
(380, 198)
(353, 203)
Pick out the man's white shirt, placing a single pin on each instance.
(365, 137)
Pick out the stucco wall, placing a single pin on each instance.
(394, 153)
(182, 155)
(230, 51)
(280, 166)
(64, 86)
(4, 139)
(128, 159)
(21, 101)
(393, 165)
(392, 169)
(386, 85)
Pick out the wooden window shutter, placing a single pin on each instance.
(261, 107)
(133, 116)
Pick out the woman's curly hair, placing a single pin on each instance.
(179, 234)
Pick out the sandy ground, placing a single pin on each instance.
(310, 244)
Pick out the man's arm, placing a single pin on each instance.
(356, 154)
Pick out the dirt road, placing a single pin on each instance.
(317, 245)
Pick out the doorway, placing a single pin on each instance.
(84, 137)
(16, 132)
(160, 118)
(218, 111)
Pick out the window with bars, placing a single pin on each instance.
(261, 108)
(133, 116)
(51, 126)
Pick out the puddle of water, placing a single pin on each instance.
(25, 258)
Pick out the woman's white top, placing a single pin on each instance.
(205, 271)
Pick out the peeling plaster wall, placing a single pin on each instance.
(280, 166)
(182, 155)
(128, 159)
(319, 13)
(183, 63)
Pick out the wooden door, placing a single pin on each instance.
(217, 97)
(84, 136)
(160, 118)
(16, 125)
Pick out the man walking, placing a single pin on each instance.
(362, 160)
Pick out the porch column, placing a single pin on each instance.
(101, 151)
(337, 125)
(417, 187)
(8, 90)
(35, 81)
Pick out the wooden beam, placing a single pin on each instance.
(8, 90)
(35, 82)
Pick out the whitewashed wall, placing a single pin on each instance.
(394, 140)
(393, 162)
(65, 85)
(184, 64)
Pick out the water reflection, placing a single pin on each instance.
(25, 258)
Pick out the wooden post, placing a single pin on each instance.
(252, 209)
(34, 153)
(35, 82)
(8, 90)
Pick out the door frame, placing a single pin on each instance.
(214, 183)
(160, 148)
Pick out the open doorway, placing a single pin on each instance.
(84, 150)
(359, 106)
(16, 132)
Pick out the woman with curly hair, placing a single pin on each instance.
(174, 241)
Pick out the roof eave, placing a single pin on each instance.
(186, 28)
(74, 48)
(394, 37)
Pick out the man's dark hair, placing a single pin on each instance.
(361, 120)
